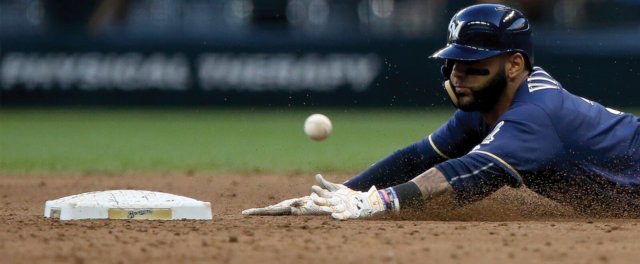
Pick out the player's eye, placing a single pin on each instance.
(475, 71)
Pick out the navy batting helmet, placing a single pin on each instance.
(482, 31)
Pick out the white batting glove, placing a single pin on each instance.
(297, 206)
(346, 203)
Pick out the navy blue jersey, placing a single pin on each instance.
(562, 146)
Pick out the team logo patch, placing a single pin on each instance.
(454, 29)
(491, 135)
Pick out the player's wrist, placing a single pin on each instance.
(389, 199)
(407, 195)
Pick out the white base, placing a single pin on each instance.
(127, 204)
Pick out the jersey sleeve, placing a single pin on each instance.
(475, 176)
(516, 144)
(459, 135)
(524, 139)
(401, 166)
(453, 139)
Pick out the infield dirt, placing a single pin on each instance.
(511, 226)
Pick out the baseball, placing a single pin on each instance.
(317, 127)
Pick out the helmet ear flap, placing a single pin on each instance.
(452, 94)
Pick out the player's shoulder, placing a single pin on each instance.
(541, 80)
(539, 92)
(542, 89)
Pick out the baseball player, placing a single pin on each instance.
(515, 125)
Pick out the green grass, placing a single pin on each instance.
(205, 140)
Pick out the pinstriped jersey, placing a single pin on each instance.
(560, 145)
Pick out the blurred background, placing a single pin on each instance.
(288, 52)
(112, 86)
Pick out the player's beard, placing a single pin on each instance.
(487, 97)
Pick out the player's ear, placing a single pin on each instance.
(515, 64)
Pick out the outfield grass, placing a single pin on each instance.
(205, 140)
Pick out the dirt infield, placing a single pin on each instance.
(511, 226)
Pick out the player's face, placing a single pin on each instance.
(479, 84)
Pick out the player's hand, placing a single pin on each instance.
(345, 203)
(297, 206)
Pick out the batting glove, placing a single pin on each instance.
(346, 204)
(297, 206)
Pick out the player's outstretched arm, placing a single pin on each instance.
(297, 206)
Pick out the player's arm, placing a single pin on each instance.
(460, 181)
(451, 183)
(433, 184)
(453, 139)
(398, 167)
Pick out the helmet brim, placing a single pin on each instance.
(461, 52)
